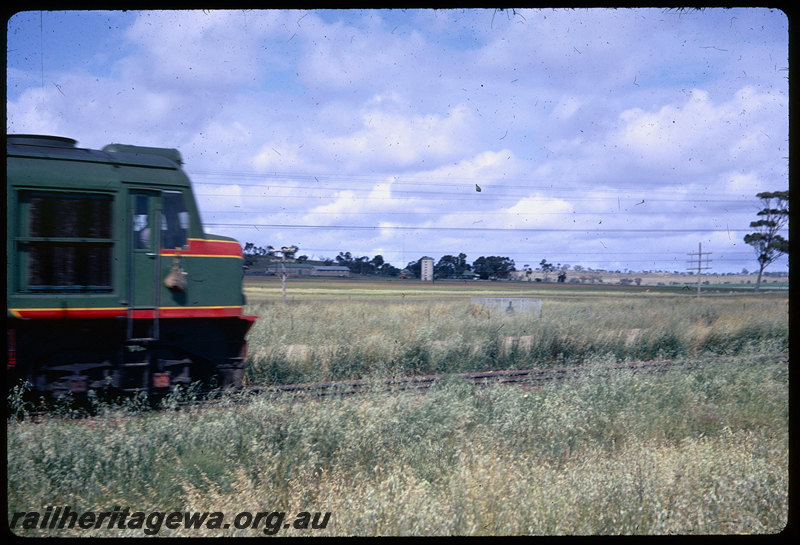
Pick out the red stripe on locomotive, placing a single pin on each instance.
(208, 248)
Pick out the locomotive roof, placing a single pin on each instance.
(57, 147)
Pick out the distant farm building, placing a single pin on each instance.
(307, 269)
(292, 269)
(330, 270)
(426, 269)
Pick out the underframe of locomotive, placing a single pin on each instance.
(59, 357)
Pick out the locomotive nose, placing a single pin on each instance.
(111, 265)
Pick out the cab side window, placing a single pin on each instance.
(68, 241)
(174, 221)
(141, 222)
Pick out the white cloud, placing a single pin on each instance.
(201, 49)
(636, 118)
(390, 139)
(536, 210)
(566, 108)
(674, 134)
(485, 168)
(700, 135)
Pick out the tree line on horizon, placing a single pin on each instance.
(448, 266)
(768, 244)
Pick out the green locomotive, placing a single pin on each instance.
(111, 281)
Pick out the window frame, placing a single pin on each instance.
(182, 217)
(83, 245)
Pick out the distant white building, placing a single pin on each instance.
(426, 269)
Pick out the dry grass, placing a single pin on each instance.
(699, 451)
(341, 338)
(692, 451)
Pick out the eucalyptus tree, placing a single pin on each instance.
(766, 240)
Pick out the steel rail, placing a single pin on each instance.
(524, 377)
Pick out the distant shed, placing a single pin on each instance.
(292, 269)
(330, 270)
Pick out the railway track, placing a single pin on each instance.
(532, 378)
(526, 378)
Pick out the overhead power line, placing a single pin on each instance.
(467, 183)
(476, 229)
(567, 253)
(449, 196)
(483, 213)
(452, 185)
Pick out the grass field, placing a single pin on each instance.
(335, 330)
(699, 450)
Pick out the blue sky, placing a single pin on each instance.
(613, 139)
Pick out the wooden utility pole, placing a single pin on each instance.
(700, 267)
(286, 253)
(283, 278)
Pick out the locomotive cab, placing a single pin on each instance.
(111, 280)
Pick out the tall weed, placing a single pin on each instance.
(342, 339)
(692, 450)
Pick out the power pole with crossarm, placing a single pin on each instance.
(700, 267)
